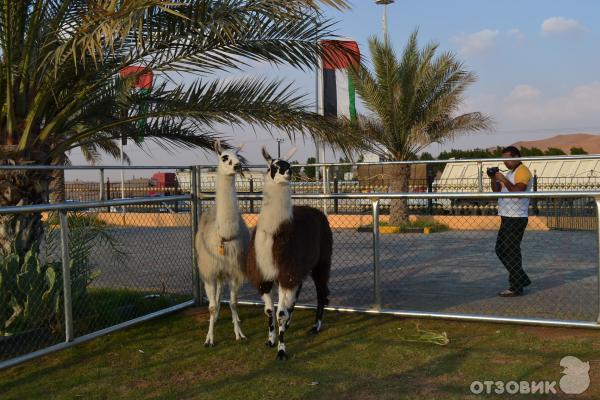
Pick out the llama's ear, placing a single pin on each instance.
(266, 155)
(289, 154)
(238, 149)
(217, 146)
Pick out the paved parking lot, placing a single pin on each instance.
(454, 271)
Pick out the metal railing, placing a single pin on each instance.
(580, 306)
(467, 184)
(437, 272)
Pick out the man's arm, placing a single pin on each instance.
(496, 186)
(516, 187)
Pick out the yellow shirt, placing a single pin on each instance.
(522, 175)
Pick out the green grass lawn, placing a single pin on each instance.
(98, 309)
(106, 307)
(357, 356)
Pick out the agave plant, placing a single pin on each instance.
(29, 292)
(31, 286)
(59, 85)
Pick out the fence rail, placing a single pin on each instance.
(326, 164)
(435, 266)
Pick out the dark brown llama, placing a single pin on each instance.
(288, 244)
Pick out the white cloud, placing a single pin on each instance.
(516, 33)
(484, 40)
(521, 92)
(477, 42)
(526, 107)
(556, 26)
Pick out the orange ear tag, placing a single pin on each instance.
(222, 249)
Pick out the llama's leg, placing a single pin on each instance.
(291, 309)
(265, 292)
(286, 301)
(234, 286)
(218, 298)
(211, 292)
(321, 277)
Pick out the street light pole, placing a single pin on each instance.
(384, 3)
(279, 141)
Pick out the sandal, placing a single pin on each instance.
(510, 293)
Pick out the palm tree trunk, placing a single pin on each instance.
(57, 183)
(21, 232)
(399, 184)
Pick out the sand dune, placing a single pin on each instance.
(589, 142)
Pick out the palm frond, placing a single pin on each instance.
(413, 100)
(60, 59)
(198, 109)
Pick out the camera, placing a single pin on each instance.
(492, 171)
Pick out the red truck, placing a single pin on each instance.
(164, 183)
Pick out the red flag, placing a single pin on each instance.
(144, 79)
(339, 54)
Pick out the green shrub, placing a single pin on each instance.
(77, 219)
(30, 293)
(31, 288)
(433, 225)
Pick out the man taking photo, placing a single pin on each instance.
(514, 214)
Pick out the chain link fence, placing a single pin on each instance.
(462, 263)
(93, 270)
(457, 265)
(450, 255)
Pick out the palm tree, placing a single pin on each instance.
(413, 101)
(59, 85)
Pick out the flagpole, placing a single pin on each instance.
(318, 98)
(122, 176)
(321, 111)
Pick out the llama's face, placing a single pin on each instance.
(229, 162)
(279, 169)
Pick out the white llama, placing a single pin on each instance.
(222, 243)
(288, 244)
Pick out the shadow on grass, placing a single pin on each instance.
(357, 356)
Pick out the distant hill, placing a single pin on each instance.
(589, 142)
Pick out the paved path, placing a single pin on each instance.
(443, 272)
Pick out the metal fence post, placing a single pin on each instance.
(325, 183)
(336, 190)
(195, 274)
(598, 228)
(102, 192)
(480, 176)
(536, 210)
(376, 272)
(430, 174)
(66, 275)
(251, 191)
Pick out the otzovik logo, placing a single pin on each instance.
(576, 377)
(575, 380)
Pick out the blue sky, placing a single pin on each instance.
(537, 63)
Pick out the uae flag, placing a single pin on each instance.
(143, 82)
(336, 89)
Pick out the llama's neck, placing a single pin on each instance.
(276, 207)
(227, 206)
